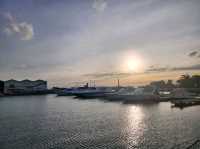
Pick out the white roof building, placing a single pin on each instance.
(24, 85)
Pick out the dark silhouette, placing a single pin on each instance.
(162, 85)
(187, 81)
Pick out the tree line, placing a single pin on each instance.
(185, 81)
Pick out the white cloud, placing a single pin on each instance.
(99, 5)
(23, 30)
(9, 17)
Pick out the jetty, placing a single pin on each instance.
(185, 103)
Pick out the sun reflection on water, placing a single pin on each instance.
(135, 126)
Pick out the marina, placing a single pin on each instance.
(99, 74)
(179, 97)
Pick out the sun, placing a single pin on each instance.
(132, 62)
(132, 65)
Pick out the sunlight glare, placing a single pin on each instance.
(132, 62)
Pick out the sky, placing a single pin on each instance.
(67, 42)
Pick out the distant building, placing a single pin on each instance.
(24, 86)
(161, 85)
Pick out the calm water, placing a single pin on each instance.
(34, 122)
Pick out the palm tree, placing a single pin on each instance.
(185, 77)
(184, 81)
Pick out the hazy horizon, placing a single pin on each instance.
(64, 42)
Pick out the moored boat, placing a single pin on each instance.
(93, 93)
(136, 96)
(74, 91)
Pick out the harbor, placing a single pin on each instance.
(178, 97)
(99, 74)
(155, 92)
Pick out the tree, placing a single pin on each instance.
(196, 81)
(187, 81)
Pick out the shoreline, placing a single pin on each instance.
(176, 103)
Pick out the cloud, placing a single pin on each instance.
(99, 5)
(108, 75)
(9, 17)
(193, 67)
(192, 54)
(24, 67)
(152, 69)
(157, 69)
(23, 30)
(164, 69)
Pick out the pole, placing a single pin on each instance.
(118, 83)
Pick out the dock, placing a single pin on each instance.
(185, 103)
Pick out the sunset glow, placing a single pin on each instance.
(64, 41)
(132, 62)
(133, 65)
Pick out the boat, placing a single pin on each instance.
(73, 91)
(139, 95)
(65, 92)
(93, 93)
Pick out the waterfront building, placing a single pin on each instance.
(24, 86)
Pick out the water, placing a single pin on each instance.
(34, 122)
